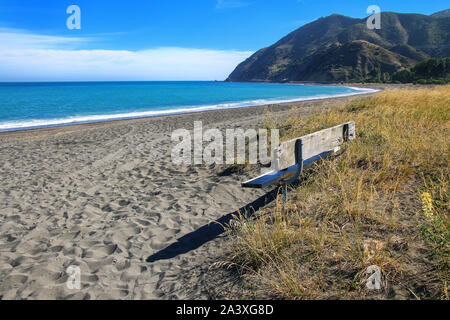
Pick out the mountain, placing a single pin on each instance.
(443, 13)
(339, 48)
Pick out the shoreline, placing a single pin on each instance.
(92, 119)
(234, 113)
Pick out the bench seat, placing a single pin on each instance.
(275, 177)
(291, 157)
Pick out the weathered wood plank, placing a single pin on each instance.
(312, 145)
(275, 177)
(269, 178)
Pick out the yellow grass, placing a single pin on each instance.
(360, 209)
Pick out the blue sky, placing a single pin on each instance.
(156, 40)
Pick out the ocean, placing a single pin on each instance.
(37, 105)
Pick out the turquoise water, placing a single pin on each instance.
(32, 105)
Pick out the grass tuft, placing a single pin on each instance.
(366, 207)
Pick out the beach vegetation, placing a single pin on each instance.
(383, 202)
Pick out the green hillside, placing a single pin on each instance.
(339, 48)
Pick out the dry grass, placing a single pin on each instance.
(363, 208)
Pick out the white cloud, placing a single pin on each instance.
(29, 57)
(21, 39)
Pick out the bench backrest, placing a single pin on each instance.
(312, 145)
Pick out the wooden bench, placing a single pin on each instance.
(291, 157)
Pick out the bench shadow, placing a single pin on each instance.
(210, 231)
(214, 229)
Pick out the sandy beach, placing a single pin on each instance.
(106, 197)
